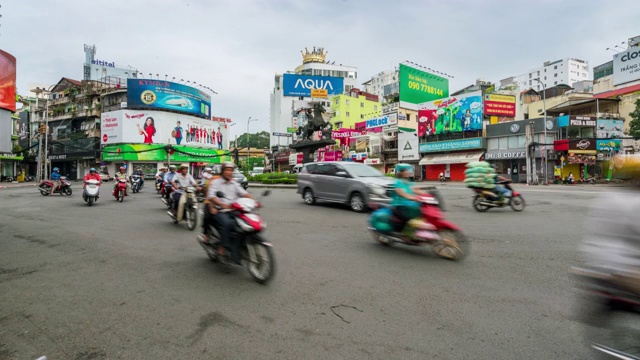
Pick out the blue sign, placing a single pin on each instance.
(166, 95)
(301, 85)
(377, 122)
(608, 145)
(450, 145)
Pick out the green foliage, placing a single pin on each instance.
(256, 141)
(634, 125)
(274, 178)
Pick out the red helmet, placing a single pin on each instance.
(122, 168)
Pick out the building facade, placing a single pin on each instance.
(356, 106)
(376, 84)
(551, 73)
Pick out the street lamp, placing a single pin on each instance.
(544, 107)
(248, 122)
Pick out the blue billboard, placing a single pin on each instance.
(301, 85)
(451, 145)
(167, 95)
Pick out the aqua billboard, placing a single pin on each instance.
(301, 85)
(167, 95)
(451, 145)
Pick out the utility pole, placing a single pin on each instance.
(39, 169)
(46, 139)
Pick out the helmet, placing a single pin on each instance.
(228, 164)
(400, 168)
(122, 168)
(56, 169)
(207, 169)
(92, 170)
(172, 167)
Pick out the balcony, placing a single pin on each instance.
(390, 146)
(390, 108)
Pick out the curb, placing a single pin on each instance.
(18, 186)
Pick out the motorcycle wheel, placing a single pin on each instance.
(477, 204)
(452, 246)
(120, 195)
(380, 239)
(263, 270)
(90, 200)
(45, 190)
(68, 191)
(192, 219)
(517, 203)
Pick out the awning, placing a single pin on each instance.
(452, 158)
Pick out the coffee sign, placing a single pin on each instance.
(505, 154)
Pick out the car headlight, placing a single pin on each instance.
(377, 189)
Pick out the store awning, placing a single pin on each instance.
(452, 158)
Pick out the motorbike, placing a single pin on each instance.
(91, 191)
(159, 183)
(136, 183)
(612, 313)
(187, 208)
(484, 200)
(168, 200)
(120, 189)
(590, 180)
(431, 229)
(63, 189)
(442, 178)
(246, 237)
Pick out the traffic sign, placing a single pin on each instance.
(281, 134)
(562, 158)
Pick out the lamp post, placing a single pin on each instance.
(45, 116)
(248, 155)
(544, 107)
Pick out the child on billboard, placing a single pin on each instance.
(148, 130)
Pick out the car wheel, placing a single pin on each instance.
(308, 197)
(357, 202)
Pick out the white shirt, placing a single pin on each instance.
(184, 180)
(231, 189)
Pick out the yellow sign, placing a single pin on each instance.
(557, 171)
(319, 93)
(584, 152)
(494, 120)
(500, 98)
(562, 158)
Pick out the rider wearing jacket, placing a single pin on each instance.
(55, 178)
(122, 174)
(168, 178)
(179, 182)
(405, 200)
(92, 175)
(139, 173)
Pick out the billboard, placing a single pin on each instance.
(626, 66)
(167, 95)
(148, 152)
(301, 85)
(5, 131)
(22, 129)
(408, 146)
(451, 145)
(160, 127)
(381, 121)
(417, 86)
(609, 129)
(7, 81)
(453, 114)
(500, 105)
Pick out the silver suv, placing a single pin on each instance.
(354, 184)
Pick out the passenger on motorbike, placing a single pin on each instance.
(224, 221)
(168, 177)
(612, 240)
(179, 182)
(55, 178)
(122, 174)
(92, 175)
(139, 173)
(405, 199)
(160, 174)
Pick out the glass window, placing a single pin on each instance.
(375, 107)
(492, 144)
(337, 101)
(329, 169)
(522, 141)
(587, 132)
(503, 143)
(513, 142)
(361, 104)
(348, 114)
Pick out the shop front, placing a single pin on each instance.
(282, 161)
(449, 157)
(9, 165)
(75, 164)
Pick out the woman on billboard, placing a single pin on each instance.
(177, 133)
(148, 130)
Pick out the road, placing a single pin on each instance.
(121, 281)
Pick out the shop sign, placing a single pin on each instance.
(514, 128)
(583, 121)
(451, 145)
(583, 146)
(505, 154)
(282, 157)
(381, 121)
(608, 145)
(372, 161)
(57, 157)
(582, 159)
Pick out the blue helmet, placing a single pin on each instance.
(56, 169)
(92, 170)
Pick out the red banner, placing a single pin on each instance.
(499, 108)
(7, 81)
(426, 122)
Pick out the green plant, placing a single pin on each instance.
(634, 125)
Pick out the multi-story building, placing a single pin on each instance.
(376, 84)
(551, 73)
(284, 109)
(353, 107)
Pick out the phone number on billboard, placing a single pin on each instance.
(425, 88)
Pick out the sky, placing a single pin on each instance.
(236, 47)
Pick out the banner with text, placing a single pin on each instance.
(500, 105)
(453, 114)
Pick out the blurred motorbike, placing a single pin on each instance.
(91, 191)
(63, 189)
(187, 208)
(484, 200)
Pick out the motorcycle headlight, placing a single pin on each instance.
(377, 189)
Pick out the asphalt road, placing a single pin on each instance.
(121, 281)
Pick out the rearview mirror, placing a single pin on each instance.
(266, 193)
(220, 194)
(342, 174)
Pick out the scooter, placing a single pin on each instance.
(136, 184)
(91, 191)
(168, 200)
(442, 178)
(245, 238)
(120, 190)
(187, 209)
(484, 200)
(63, 189)
(431, 229)
(612, 313)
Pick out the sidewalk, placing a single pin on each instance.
(16, 185)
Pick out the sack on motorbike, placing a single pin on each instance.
(475, 170)
(473, 179)
(482, 164)
(381, 220)
(477, 185)
(489, 186)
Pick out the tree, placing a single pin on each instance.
(257, 141)
(634, 125)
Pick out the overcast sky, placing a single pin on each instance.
(236, 46)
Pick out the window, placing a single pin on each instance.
(492, 144)
(513, 142)
(375, 107)
(545, 78)
(409, 117)
(329, 169)
(361, 104)
(361, 116)
(347, 102)
(522, 141)
(530, 76)
(555, 67)
(555, 83)
(337, 101)
(503, 142)
(529, 82)
(538, 73)
(347, 114)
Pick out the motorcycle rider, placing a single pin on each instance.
(612, 240)
(122, 174)
(180, 181)
(232, 191)
(168, 177)
(55, 178)
(405, 201)
(93, 175)
(139, 173)
(500, 189)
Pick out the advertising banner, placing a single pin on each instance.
(608, 145)
(5, 131)
(166, 95)
(324, 155)
(609, 129)
(583, 146)
(451, 145)
(381, 121)
(151, 152)
(408, 146)
(7, 81)
(582, 121)
(159, 127)
(319, 93)
(626, 66)
(344, 135)
(417, 86)
(500, 105)
(301, 85)
(22, 129)
(453, 114)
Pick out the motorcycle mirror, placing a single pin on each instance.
(220, 194)
(266, 193)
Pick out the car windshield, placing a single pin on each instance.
(361, 170)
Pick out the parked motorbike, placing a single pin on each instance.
(63, 189)
(484, 200)
(430, 229)
(29, 178)
(590, 180)
(254, 249)
(120, 190)
(136, 183)
(442, 178)
(612, 313)
(91, 191)
(187, 209)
